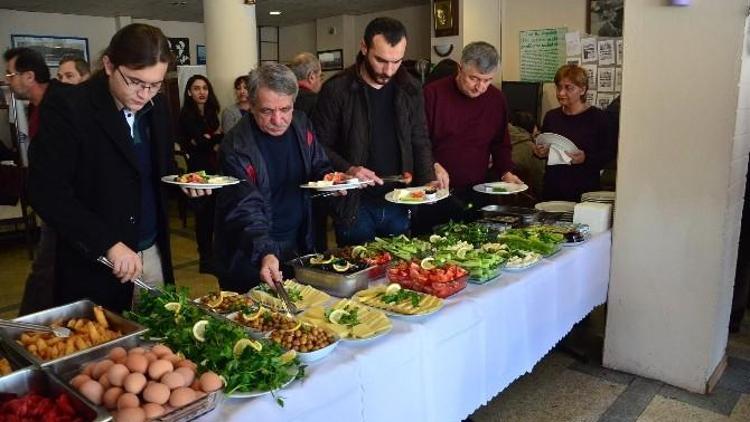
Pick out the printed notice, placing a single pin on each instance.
(588, 50)
(591, 72)
(542, 52)
(606, 79)
(604, 99)
(606, 52)
(591, 97)
(573, 44)
(618, 79)
(619, 51)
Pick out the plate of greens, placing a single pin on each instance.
(500, 188)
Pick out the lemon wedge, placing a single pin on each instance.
(199, 330)
(215, 303)
(243, 343)
(252, 317)
(392, 288)
(341, 268)
(336, 315)
(295, 328)
(358, 251)
(288, 357)
(428, 263)
(173, 307)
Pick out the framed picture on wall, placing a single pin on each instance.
(180, 47)
(200, 54)
(53, 47)
(331, 59)
(445, 18)
(604, 17)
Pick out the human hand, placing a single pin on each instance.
(540, 150)
(364, 174)
(195, 193)
(511, 178)
(576, 157)
(126, 264)
(441, 176)
(269, 270)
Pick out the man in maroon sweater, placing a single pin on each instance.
(467, 120)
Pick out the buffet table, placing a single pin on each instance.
(444, 366)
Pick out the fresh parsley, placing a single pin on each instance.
(400, 296)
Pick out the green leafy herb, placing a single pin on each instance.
(401, 296)
(350, 318)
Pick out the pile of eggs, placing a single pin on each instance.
(143, 383)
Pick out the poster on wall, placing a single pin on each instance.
(591, 72)
(618, 79)
(604, 17)
(573, 44)
(200, 54)
(604, 99)
(180, 48)
(618, 43)
(606, 52)
(606, 79)
(53, 48)
(588, 50)
(542, 52)
(591, 97)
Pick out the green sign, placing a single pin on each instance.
(542, 52)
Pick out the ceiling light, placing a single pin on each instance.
(275, 12)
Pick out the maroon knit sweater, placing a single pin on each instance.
(465, 132)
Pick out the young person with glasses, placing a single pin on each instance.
(95, 173)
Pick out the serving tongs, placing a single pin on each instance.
(57, 331)
(400, 178)
(291, 310)
(137, 281)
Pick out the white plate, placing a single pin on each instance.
(439, 196)
(388, 312)
(334, 188)
(219, 182)
(548, 138)
(525, 267)
(556, 206)
(510, 188)
(310, 357)
(257, 393)
(599, 196)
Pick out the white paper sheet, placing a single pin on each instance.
(573, 44)
(588, 50)
(606, 50)
(606, 79)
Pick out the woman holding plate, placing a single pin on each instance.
(586, 127)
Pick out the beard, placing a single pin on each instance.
(379, 78)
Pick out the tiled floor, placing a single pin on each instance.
(560, 388)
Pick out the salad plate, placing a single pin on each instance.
(200, 180)
(500, 188)
(417, 195)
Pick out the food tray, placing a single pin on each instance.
(339, 285)
(68, 368)
(80, 309)
(486, 279)
(44, 382)
(16, 361)
(526, 215)
(410, 284)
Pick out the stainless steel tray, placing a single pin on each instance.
(16, 361)
(339, 285)
(43, 382)
(68, 368)
(80, 309)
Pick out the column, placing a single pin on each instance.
(231, 44)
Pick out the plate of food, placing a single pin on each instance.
(417, 195)
(520, 260)
(394, 300)
(224, 302)
(311, 342)
(335, 181)
(349, 320)
(200, 180)
(500, 188)
(303, 296)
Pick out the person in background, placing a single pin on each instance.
(444, 68)
(95, 170)
(266, 220)
(199, 136)
(29, 79)
(467, 121)
(73, 70)
(522, 127)
(370, 118)
(306, 68)
(232, 114)
(587, 127)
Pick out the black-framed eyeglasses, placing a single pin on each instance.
(135, 84)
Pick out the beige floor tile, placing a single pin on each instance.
(662, 409)
(552, 393)
(741, 411)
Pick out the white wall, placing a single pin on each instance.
(680, 184)
(416, 19)
(522, 15)
(97, 29)
(295, 39)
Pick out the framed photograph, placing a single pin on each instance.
(331, 59)
(604, 17)
(180, 47)
(445, 18)
(53, 47)
(200, 54)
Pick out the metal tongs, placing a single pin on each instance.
(137, 281)
(397, 179)
(291, 310)
(57, 331)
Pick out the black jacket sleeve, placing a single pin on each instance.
(421, 146)
(326, 118)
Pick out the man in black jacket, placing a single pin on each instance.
(95, 169)
(266, 220)
(370, 118)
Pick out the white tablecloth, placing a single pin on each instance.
(443, 367)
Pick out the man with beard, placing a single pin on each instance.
(370, 119)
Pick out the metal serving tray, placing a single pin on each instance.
(526, 215)
(45, 383)
(16, 361)
(69, 368)
(339, 285)
(80, 309)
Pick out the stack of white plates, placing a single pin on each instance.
(563, 143)
(603, 197)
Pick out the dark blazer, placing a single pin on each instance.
(243, 211)
(84, 182)
(342, 122)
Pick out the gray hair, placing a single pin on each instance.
(483, 56)
(274, 76)
(303, 64)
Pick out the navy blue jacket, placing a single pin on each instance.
(243, 211)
